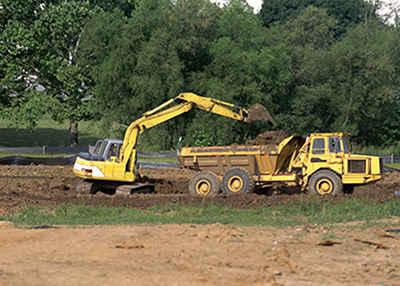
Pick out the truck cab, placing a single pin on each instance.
(328, 167)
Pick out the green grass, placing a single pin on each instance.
(47, 133)
(374, 150)
(5, 154)
(327, 213)
(394, 165)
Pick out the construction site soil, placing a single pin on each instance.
(187, 254)
(25, 186)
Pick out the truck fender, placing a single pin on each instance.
(307, 179)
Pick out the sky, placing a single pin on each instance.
(256, 4)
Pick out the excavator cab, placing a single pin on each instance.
(103, 150)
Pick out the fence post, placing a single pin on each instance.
(392, 159)
(44, 149)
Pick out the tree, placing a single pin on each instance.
(150, 59)
(365, 86)
(15, 17)
(245, 69)
(305, 107)
(40, 57)
(346, 12)
(126, 6)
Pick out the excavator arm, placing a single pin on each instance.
(157, 115)
(108, 171)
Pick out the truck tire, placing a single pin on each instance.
(325, 183)
(238, 180)
(205, 183)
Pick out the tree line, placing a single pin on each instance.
(317, 65)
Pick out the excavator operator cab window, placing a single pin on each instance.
(113, 151)
(96, 149)
(334, 144)
(318, 146)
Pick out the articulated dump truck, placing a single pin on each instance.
(321, 163)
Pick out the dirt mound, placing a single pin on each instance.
(268, 138)
(269, 141)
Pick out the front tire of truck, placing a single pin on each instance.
(238, 180)
(205, 183)
(325, 183)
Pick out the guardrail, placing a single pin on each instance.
(74, 150)
(390, 159)
(70, 160)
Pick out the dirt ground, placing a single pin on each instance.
(186, 254)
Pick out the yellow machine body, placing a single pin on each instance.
(294, 161)
(115, 160)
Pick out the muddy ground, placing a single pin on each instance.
(186, 254)
(22, 186)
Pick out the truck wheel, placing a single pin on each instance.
(205, 183)
(238, 180)
(325, 183)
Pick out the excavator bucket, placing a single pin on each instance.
(257, 112)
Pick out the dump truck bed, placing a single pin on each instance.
(258, 159)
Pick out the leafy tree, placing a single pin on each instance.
(40, 57)
(365, 86)
(346, 12)
(126, 6)
(304, 107)
(151, 60)
(340, 85)
(15, 18)
(245, 70)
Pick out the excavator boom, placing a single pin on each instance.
(121, 167)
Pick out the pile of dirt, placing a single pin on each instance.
(272, 138)
(269, 141)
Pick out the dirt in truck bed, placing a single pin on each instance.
(272, 138)
(213, 254)
(269, 141)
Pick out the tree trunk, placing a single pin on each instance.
(73, 133)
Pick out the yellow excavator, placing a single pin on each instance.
(112, 165)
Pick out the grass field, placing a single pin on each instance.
(394, 165)
(48, 133)
(324, 214)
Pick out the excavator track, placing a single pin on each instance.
(135, 188)
(92, 187)
(86, 187)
